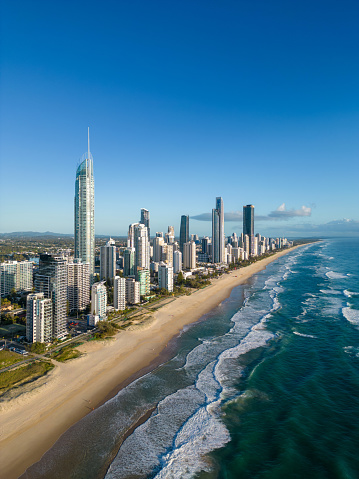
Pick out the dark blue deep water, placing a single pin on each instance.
(266, 386)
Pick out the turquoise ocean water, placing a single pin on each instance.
(265, 386)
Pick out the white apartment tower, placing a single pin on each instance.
(189, 255)
(99, 300)
(142, 247)
(177, 262)
(78, 285)
(119, 293)
(38, 318)
(132, 291)
(15, 275)
(85, 210)
(165, 277)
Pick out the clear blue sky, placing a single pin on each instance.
(186, 100)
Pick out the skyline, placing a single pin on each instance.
(257, 104)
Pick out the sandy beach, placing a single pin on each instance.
(32, 422)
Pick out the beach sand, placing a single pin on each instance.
(32, 422)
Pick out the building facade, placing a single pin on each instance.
(184, 231)
(165, 277)
(218, 239)
(16, 275)
(99, 300)
(108, 260)
(38, 318)
(189, 255)
(119, 293)
(248, 225)
(145, 220)
(78, 285)
(51, 279)
(85, 211)
(129, 262)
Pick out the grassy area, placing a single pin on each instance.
(23, 374)
(66, 353)
(9, 330)
(7, 358)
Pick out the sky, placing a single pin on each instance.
(256, 102)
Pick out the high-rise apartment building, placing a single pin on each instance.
(143, 277)
(142, 247)
(51, 279)
(177, 262)
(165, 277)
(119, 293)
(85, 211)
(78, 285)
(145, 220)
(132, 291)
(38, 318)
(15, 275)
(248, 225)
(108, 260)
(157, 244)
(129, 262)
(184, 231)
(99, 300)
(218, 239)
(189, 255)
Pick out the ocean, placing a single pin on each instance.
(265, 386)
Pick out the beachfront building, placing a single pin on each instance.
(78, 285)
(145, 220)
(99, 301)
(218, 239)
(108, 260)
(51, 279)
(177, 262)
(248, 226)
(129, 262)
(85, 210)
(167, 254)
(132, 291)
(16, 275)
(143, 277)
(165, 277)
(189, 255)
(142, 246)
(119, 293)
(38, 318)
(184, 231)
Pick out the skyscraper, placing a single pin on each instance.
(184, 231)
(145, 220)
(142, 247)
(38, 318)
(218, 232)
(85, 210)
(51, 280)
(108, 260)
(248, 225)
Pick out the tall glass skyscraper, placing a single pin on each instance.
(218, 239)
(184, 231)
(85, 211)
(145, 220)
(248, 225)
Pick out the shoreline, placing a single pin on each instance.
(74, 389)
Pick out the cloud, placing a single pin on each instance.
(344, 227)
(282, 213)
(279, 214)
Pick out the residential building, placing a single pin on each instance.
(16, 275)
(38, 318)
(51, 279)
(165, 277)
(143, 277)
(145, 220)
(85, 210)
(157, 244)
(142, 247)
(99, 300)
(177, 262)
(78, 285)
(248, 226)
(132, 291)
(218, 239)
(189, 255)
(129, 262)
(119, 293)
(108, 260)
(184, 231)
